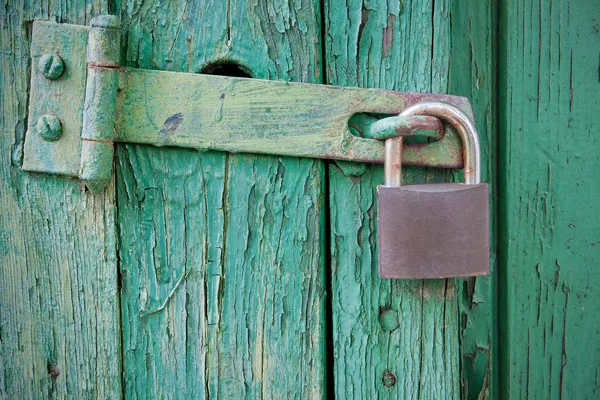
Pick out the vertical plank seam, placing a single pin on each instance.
(118, 262)
(494, 363)
(327, 250)
(498, 384)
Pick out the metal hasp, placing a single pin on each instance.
(455, 214)
(82, 101)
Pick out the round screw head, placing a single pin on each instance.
(53, 370)
(49, 127)
(388, 320)
(51, 66)
(389, 379)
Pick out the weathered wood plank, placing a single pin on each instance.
(171, 235)
(403, 329)
(222, 255)
(393, 338)
(548, 113)
(59, 319)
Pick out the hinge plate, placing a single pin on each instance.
(62, 98)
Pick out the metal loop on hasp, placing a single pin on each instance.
(455, 117)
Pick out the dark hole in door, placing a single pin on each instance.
(226, 68)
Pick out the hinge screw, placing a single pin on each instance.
(49, 127)
(389, 379)
(53, 370)
(388, 319)
(51, 66)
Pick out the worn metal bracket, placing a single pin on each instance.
(82, 101)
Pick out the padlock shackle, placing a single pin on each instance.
(450, 114)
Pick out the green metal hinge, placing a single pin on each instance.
(82, 102)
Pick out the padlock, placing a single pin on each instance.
(435, 230)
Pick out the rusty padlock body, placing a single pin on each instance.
(437, 230)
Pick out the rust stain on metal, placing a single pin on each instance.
(426, 123)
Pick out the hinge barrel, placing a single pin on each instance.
(97, 134)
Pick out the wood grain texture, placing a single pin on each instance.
(411, 329)
(549, 63)
(389, 46)
(222, 255)
(59, 319)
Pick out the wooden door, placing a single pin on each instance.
(198, 275)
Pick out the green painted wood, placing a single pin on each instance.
(59, 318)
(222, 256)
(402, 339)
(548, 113)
